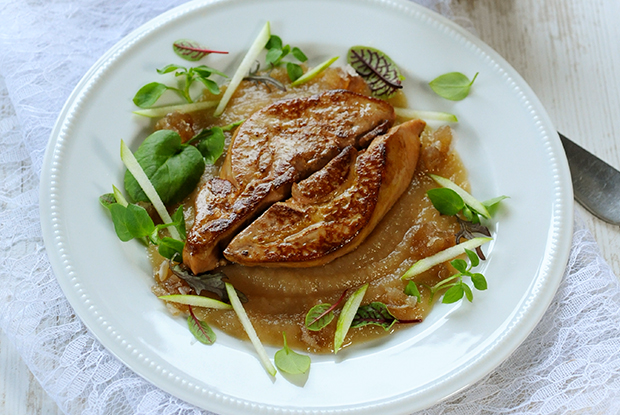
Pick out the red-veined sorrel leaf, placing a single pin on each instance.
(374, 313)
(191, 50)
(379, 71)
(200, 329)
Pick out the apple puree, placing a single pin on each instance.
(279, 298)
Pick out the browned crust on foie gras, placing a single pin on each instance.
(277, 146)
(336, 208)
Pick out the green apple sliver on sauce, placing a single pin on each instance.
(349, 312)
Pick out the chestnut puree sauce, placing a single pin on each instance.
(279, 298)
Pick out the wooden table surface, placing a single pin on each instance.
(569, 53)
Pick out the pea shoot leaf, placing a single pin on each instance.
(131, 222)
(174, 169)
(289, 361)
(379, 71)
(149, 94)
(453, 86)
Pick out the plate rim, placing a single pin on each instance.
(546, 288)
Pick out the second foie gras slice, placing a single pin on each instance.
(336, 208)
(277, 146)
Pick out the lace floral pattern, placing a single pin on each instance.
(571, 362)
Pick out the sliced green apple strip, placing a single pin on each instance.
(196, 301)
(443, 256)
(425, 115)
(312, 73)
(244, 68)
(249, 329)
(134, 167)
(469, 200)
(346, 316)
(120, 199)
(182, 108)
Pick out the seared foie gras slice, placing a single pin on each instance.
(277, 146)
(323, 221)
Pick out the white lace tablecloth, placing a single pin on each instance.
(569, 364)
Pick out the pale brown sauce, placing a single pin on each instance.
(279, 298)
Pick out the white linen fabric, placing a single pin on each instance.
(570, 363)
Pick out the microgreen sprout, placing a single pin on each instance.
(454, 285)
(277, 51)
(148, 95)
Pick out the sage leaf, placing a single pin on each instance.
(453, 86)
(375, 313)
(446, 201)
(291, 362)
(379, 71)
(319, 316)
(201, 330)
(191, 50)
(149, 94)
(173, 169)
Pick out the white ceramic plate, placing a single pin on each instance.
(505, 139)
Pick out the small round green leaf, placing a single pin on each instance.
(446, 201)
(453, 86)
(291, 362)
(454, 294)
(148, 95)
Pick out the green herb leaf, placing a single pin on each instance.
(201, 330)
(375, 313)
(446, 201)
(468, 294)
(453, 86)
(191, 50)
(211, 143)
(274, 42)
(479, 281)
(473, 258)
(273, 56)
(107, 199)
(211, 85)
(149, 94)
(459, 265)
(173, 169)
(454, 294)
(179, 222)
(170, 247)
(294, 71)
(170, 68)
(289, 361)
(131, 222)
(379, 71)
(319, 316)
(412, 290)
(299, 55)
